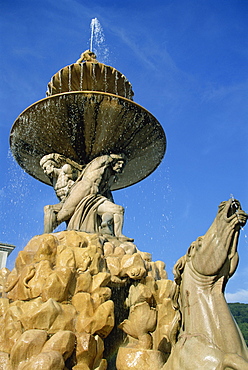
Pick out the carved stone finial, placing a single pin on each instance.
(87, 56)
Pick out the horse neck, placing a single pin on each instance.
(205, 311)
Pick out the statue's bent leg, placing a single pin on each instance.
(78, 192)
(118, 224)
(107, 225)
(50, 217)
(108, 208)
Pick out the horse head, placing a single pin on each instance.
(200, 277)
(215, 253)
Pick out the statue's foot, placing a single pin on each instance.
(124, 238)
(106, 228)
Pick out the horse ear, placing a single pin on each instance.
(190, 251)
(194, 246)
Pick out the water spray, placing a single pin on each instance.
(234, 204)
(93, 24)
(97, 40)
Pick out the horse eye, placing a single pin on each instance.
(232, 209)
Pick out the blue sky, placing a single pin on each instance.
(187, 62)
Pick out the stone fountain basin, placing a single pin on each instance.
(83, 125)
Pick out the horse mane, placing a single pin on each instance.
(175, 294)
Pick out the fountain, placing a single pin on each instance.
(87, 297)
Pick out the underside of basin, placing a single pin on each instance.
(84, 125)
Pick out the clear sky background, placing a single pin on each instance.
(188, 64)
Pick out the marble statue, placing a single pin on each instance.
(209, 338)
(62, 173)
(86, 202)
(201, 334)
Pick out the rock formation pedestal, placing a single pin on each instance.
(75, 299)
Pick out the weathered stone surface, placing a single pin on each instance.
(65, 319)
(39, 315)
(83, 303)
(141, 322)
(114, 265)
(84, 281)
(40, 332)
(103, 365)
(129, 358)
(63, 342)
(57, 284)
(4, 361)
(10, 328)
(4, 273)
(100, 322)
(100, 280)
(103, 319)
(139, 293)
(133, 266)
(61, 289)
(45, 361)
(86, 351)
(28, 345)
(4, 305)
(99, 362)
(165, 334)
(35, 263)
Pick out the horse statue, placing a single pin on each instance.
(208, 338)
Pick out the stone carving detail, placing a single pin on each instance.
(195, 327)
(77, 300)
(212, 341)
(86, 202)
(88, 74)
(59, 304)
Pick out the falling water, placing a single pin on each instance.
(105, 79)
(97, 41)
(93, 25)
(94, 77)
(69, 77)
(81, 76)
(236, 211)
(60, 80)
(116, 82)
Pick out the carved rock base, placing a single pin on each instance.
(137, 359)
(74, 298)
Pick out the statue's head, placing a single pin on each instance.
(49, 161)
(119, 162)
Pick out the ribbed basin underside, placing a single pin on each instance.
(84, 125)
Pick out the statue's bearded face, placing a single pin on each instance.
(48, 167)
(118, 166)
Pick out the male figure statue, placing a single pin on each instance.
(87, 204)
(62, 174)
